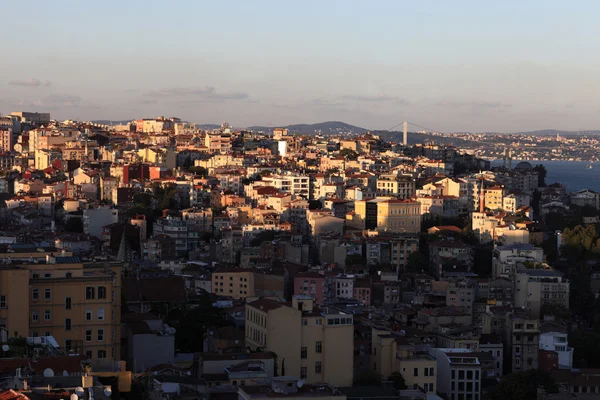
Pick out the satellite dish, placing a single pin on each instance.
(79, 391)
(74, 397)
(211, 333)
(5, 347)
(48, 373)
(300, 383)
(189, 373)
(107, 391)
(65, 373)
(236, 341)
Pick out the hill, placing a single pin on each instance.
(323, 128)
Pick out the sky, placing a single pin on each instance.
(451, 66)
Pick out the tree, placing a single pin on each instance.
(367, 378)
(541, 170)
(200, 171)
(74, 225)
(417, 262)
(349, 154)
(397, 380)
(264, 236)
(523, 385)
(188, 163)
(195, 325)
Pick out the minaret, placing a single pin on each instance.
(405, 141)
(481, 198)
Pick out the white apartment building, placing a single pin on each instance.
(506, 258)
(558, 342)
(296, 185)
(458, 373)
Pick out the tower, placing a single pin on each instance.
(405, 141)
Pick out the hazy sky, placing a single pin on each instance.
(448, 65)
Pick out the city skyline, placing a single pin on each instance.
(461, 67)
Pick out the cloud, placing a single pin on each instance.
(374, 99)
(28, 82)
(52, 101)
(207, 93)
(481, 104)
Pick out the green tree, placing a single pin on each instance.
(262, 237)
(195, 325)
(367, 378)
(74, 225)
(188, 163)
(349, 154)
(417, 262)
(542, 173)
(397, 380)
(523, 385)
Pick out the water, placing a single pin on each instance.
(575, 175)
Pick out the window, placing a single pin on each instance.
(47, 315)
(88, 335)
(518, 350)
(100, 335)
(469, 375)
(89, 293)
(88, 354)
(101, 292)
(47, 294)
(2, 301)
(416, 372)
(35, 294)
(36, 275)
(46, 334)
(69, 274)
(461, 374)
(68, 345)
(303, 352)
(68, 303)
(101, 353)
(303, 373)
(304, 321)
(317, 367)
(35, 316)
(432, 373)
(88, 314)
(101, 314)
(47, 275)
(68, 324)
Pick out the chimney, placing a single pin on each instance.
(24, 384)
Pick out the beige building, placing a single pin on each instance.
(314, 344)
(398, 354)
(233, 282)
(385, 214)
(494, 197)
(77, 304)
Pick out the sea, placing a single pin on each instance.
(575, 175)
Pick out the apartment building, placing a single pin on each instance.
(394, 353)
(391, 215)
(77, 304)
(313, 284)
(536, 287)
(296, 185)
(237, 283)
(523, 334)
(507, 258)
(554, 337)
(459, 373)
(311, 343)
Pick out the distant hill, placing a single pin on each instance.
(323, 128)
(208, 127)
(554, 132)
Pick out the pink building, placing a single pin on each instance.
(362, 292)
(312, 284)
